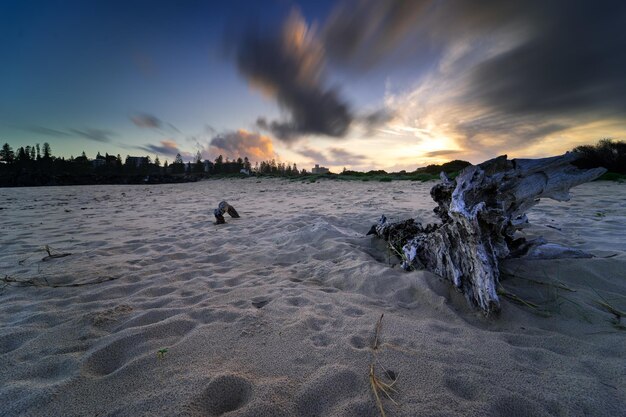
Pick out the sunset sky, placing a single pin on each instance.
(370, 84)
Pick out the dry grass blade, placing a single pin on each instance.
(51, 255)
(617, 313)
(604, 303)
(373, 384)
(501, 291)
(558, 285)
(378, 326)
(376, 384)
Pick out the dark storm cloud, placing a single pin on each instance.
(289, 65)
(558, 58)
(360, 33)
(99, 135)
(571, 62)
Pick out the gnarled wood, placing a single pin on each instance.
(224, 207)
(480, 212)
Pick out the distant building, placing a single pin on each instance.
(319, 170)
(136, 161)
(110, 159)
(99, 161)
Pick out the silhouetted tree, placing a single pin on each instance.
(198, 166)
(178, 167)
(82, 159)
(606, 153)
(21, 155)
(47, 153)
(7, 154)
(219, 162)
(38, 152)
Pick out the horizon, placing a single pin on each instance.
(365, 85)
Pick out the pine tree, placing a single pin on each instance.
(47, 154)
(7, 154)
(219, 161)
(21, 154)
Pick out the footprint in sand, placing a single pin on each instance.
(260, 302)
(225, 393)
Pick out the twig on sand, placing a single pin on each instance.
(43, 282)
(375, 383)
(51, 255)
(377, 332)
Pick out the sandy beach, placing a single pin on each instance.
(274, 314)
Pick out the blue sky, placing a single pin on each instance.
(364, 84)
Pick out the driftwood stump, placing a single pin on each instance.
(480, 212)
(224, 207)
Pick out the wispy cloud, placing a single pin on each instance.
(98, 135)
(149, 121)
(443, 152)
(41, 130)
(146, 121)
(333, 156)
(167, 147)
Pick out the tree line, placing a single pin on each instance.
(36, 165)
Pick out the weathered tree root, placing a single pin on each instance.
(224, 207)
(480, 212)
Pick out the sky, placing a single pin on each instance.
(363, 84)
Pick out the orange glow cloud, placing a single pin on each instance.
(243, 143)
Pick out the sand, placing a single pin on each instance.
(273, 314)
